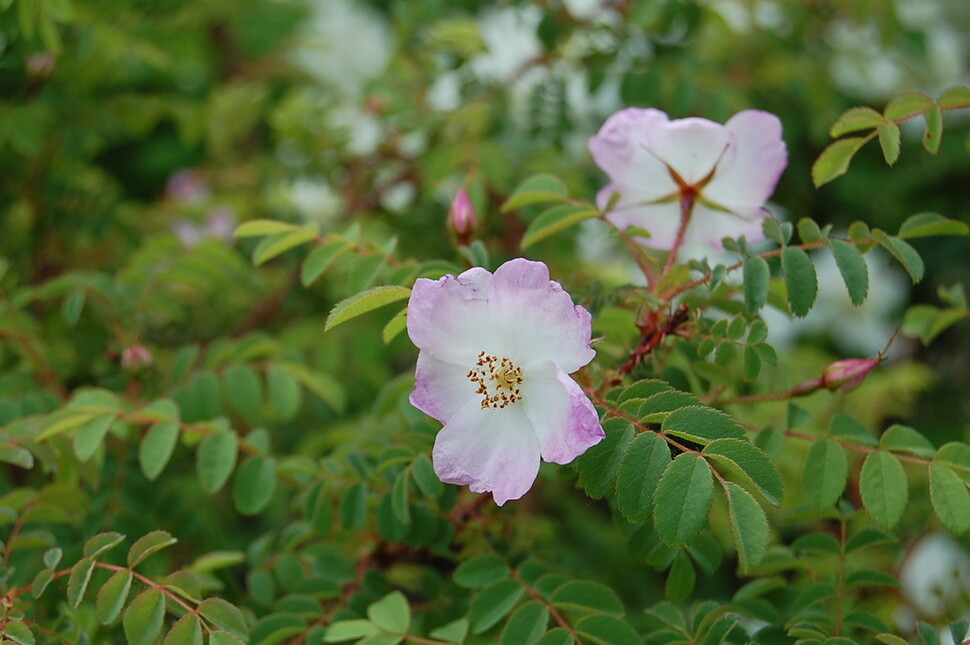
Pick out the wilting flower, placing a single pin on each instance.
(847, 373)
(496, 354)
(461, 217)
(712, 178)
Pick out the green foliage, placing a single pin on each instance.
(238, 406)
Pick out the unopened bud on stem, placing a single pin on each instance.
(846, 374)
(461, 218)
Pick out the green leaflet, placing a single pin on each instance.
(748, 525)
(535, 190)
(884, 489)
(144, 617)
(852, 266)
(824, 473)
(493, 603)
(156, 448)
(750, 463)
(950, 498)
(855, 119)
(254, 484)
(800, 280)
(554, 220)
(391, 613)
(361, 303)
(599, 465)
(756, 277)
(148, 544)
(187, 631)
(112, 596)
(701, 424)
(683, 499)
(526, 625)
(481, 571)
(835, 159)
(215, 459)
(903, 252)
(643, 462)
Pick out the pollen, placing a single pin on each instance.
(499, 380)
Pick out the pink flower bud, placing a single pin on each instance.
(461, 218)
(846, 374)
(136, 357)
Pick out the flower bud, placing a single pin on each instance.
(846, 374)
(461, 218)
(136, 357)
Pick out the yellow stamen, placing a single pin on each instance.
(498, 379)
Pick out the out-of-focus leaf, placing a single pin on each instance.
(535, 190)
(889, 142)
(144, 617)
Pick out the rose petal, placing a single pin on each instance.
(561, 415)
(440, 388)
(660, 220)
(490, 450)
(449, 318)
(747, 175)
(533, 319)
(711, 225)
(619, 150)
(691, 147)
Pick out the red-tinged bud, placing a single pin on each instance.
(461, 218)
(848, 373)
(136, 357)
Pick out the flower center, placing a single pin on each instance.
(498, 380)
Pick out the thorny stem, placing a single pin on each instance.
(802, 389)
(13, 593)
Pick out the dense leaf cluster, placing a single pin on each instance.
(205, 437)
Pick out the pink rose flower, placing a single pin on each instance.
(496, 354)
(725, 172)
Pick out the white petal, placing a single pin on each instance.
(440, 388)
(448, 317)
(747, 175)
(660, 220)
(564, 419)
(533, 319)
(712, 225)
(492, 450)
(691, 147)
(619, 150)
